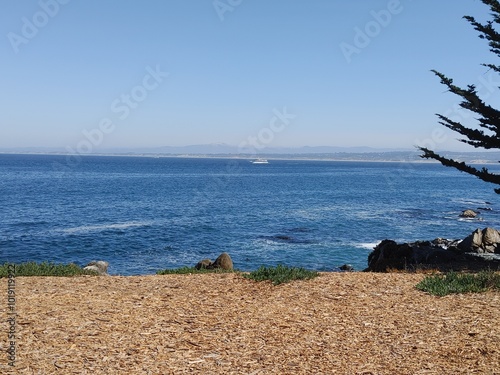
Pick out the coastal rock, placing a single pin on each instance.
(389, 255)
(490, 236)
(477, 239)
(203, 264)
(347, 268)
(100, 266)
(470, 214)
(224, 262)
(481, 241)
(472, 253)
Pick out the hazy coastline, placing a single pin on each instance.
(384, 156)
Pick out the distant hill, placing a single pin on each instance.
(306, 152)
(222, 148)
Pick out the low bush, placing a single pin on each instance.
(281, 274)
(45, 269)
(453, 282)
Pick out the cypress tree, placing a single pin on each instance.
(487, 133)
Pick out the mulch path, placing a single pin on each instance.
(338, 323)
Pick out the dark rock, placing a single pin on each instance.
(441, 242)
(100, 266)
(469, 214)
(389, 255)
(287, 239)
(283, 237)
(203, 264)
(440, 256)
(465, 245)
(224, 262)
(472, 253)
(347, 268)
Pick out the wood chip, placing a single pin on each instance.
(338, 323)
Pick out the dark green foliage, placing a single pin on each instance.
(487, 134)
(188, 270)
(45, 269)
(442, 285)
(281, 274)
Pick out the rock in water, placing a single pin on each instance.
(203, 264)
(441, 254)
(468, 214)
(347, 268)
(100, 266)
(224, 262)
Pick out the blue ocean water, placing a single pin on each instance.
(142, 214)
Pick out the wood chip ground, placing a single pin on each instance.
(338, 323)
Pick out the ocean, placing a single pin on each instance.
(143, 214)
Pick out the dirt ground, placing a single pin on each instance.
(338, 323)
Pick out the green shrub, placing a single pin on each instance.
(452, 282)
(281, 274)
(45, 269)
(188, 270)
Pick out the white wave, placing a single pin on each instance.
(367, 214)
(367, 245)
(102, 227)
(470, 201)
(470, 219)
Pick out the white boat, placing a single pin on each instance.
(260, 161)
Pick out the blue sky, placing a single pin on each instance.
(180, 72)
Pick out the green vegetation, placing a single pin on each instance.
(281, 274)
(188, 270)
(486, 133)
(452, 282)
(45, 269)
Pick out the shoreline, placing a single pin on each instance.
(249, 157)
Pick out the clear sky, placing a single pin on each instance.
(286, 72)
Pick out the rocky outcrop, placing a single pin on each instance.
(203, 264)
(224, 262)
(440, 254)
(470, 214)
(481, 241)
(346, 268)
(100, 267)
